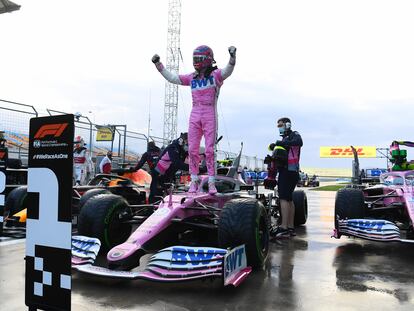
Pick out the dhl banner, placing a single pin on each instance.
(105, 134)
(346, 152)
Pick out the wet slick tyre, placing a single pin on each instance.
(89, 194)
(349, 204)
(16, 201)
(244, 221)
(300, 201)
(101, 217)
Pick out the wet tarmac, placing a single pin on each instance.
(309, 272)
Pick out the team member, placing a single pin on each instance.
(150, 156)
(81, 161)
(205, 85)
(105, 167)
(288, 176)
(171, 160)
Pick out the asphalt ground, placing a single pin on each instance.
(309, 272)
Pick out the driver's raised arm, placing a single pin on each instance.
(168, 75)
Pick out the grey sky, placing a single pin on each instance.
(342, 70)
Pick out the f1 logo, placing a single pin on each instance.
(50, 129)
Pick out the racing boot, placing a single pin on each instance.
(212, 187)
(194, 186)
(279, 232)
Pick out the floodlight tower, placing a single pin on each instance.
(172, 64)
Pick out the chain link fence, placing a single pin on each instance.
(15, 122)
(127, 146)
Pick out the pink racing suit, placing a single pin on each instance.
(203, 117)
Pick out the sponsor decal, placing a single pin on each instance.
(182, 255)
(50, 156)
(37, 144)
(54, 130)
(202, 83)
(346, 152)
(48, 143)
(234, 261)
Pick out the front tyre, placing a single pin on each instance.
(349, 204)
(245, 221)
(101, 217)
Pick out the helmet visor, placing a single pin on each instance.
(197, 59)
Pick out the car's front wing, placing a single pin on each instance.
(370, 229)
(172, 264)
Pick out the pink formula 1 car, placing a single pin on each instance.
(223, 235)
(383, 212)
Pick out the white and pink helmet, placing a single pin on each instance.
(203, 57)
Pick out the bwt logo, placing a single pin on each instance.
(54, 130)
(345, 151)
(368, 225)
(199, 83)
(181, 256)
(234, 261)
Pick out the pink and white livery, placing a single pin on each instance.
(205, 85)
(382, 212)
(191, 236)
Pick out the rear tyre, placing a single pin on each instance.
(101, 217)
(349, 204)
(245, 221)
(300, 201)
(16, 201)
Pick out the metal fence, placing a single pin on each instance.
(127, 146)
(14, 122)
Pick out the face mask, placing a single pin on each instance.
(185, 148)
(282, 130)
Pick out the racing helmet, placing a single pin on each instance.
(203, 57)
(79, 142)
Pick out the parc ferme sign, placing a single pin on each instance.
(346, 152)
(49, 213)
(105, 133)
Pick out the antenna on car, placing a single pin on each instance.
(233, 171)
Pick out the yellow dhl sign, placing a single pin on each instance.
(346, 152)
(104, 134)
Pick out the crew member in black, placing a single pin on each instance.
(171, 160)
(150, 156)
